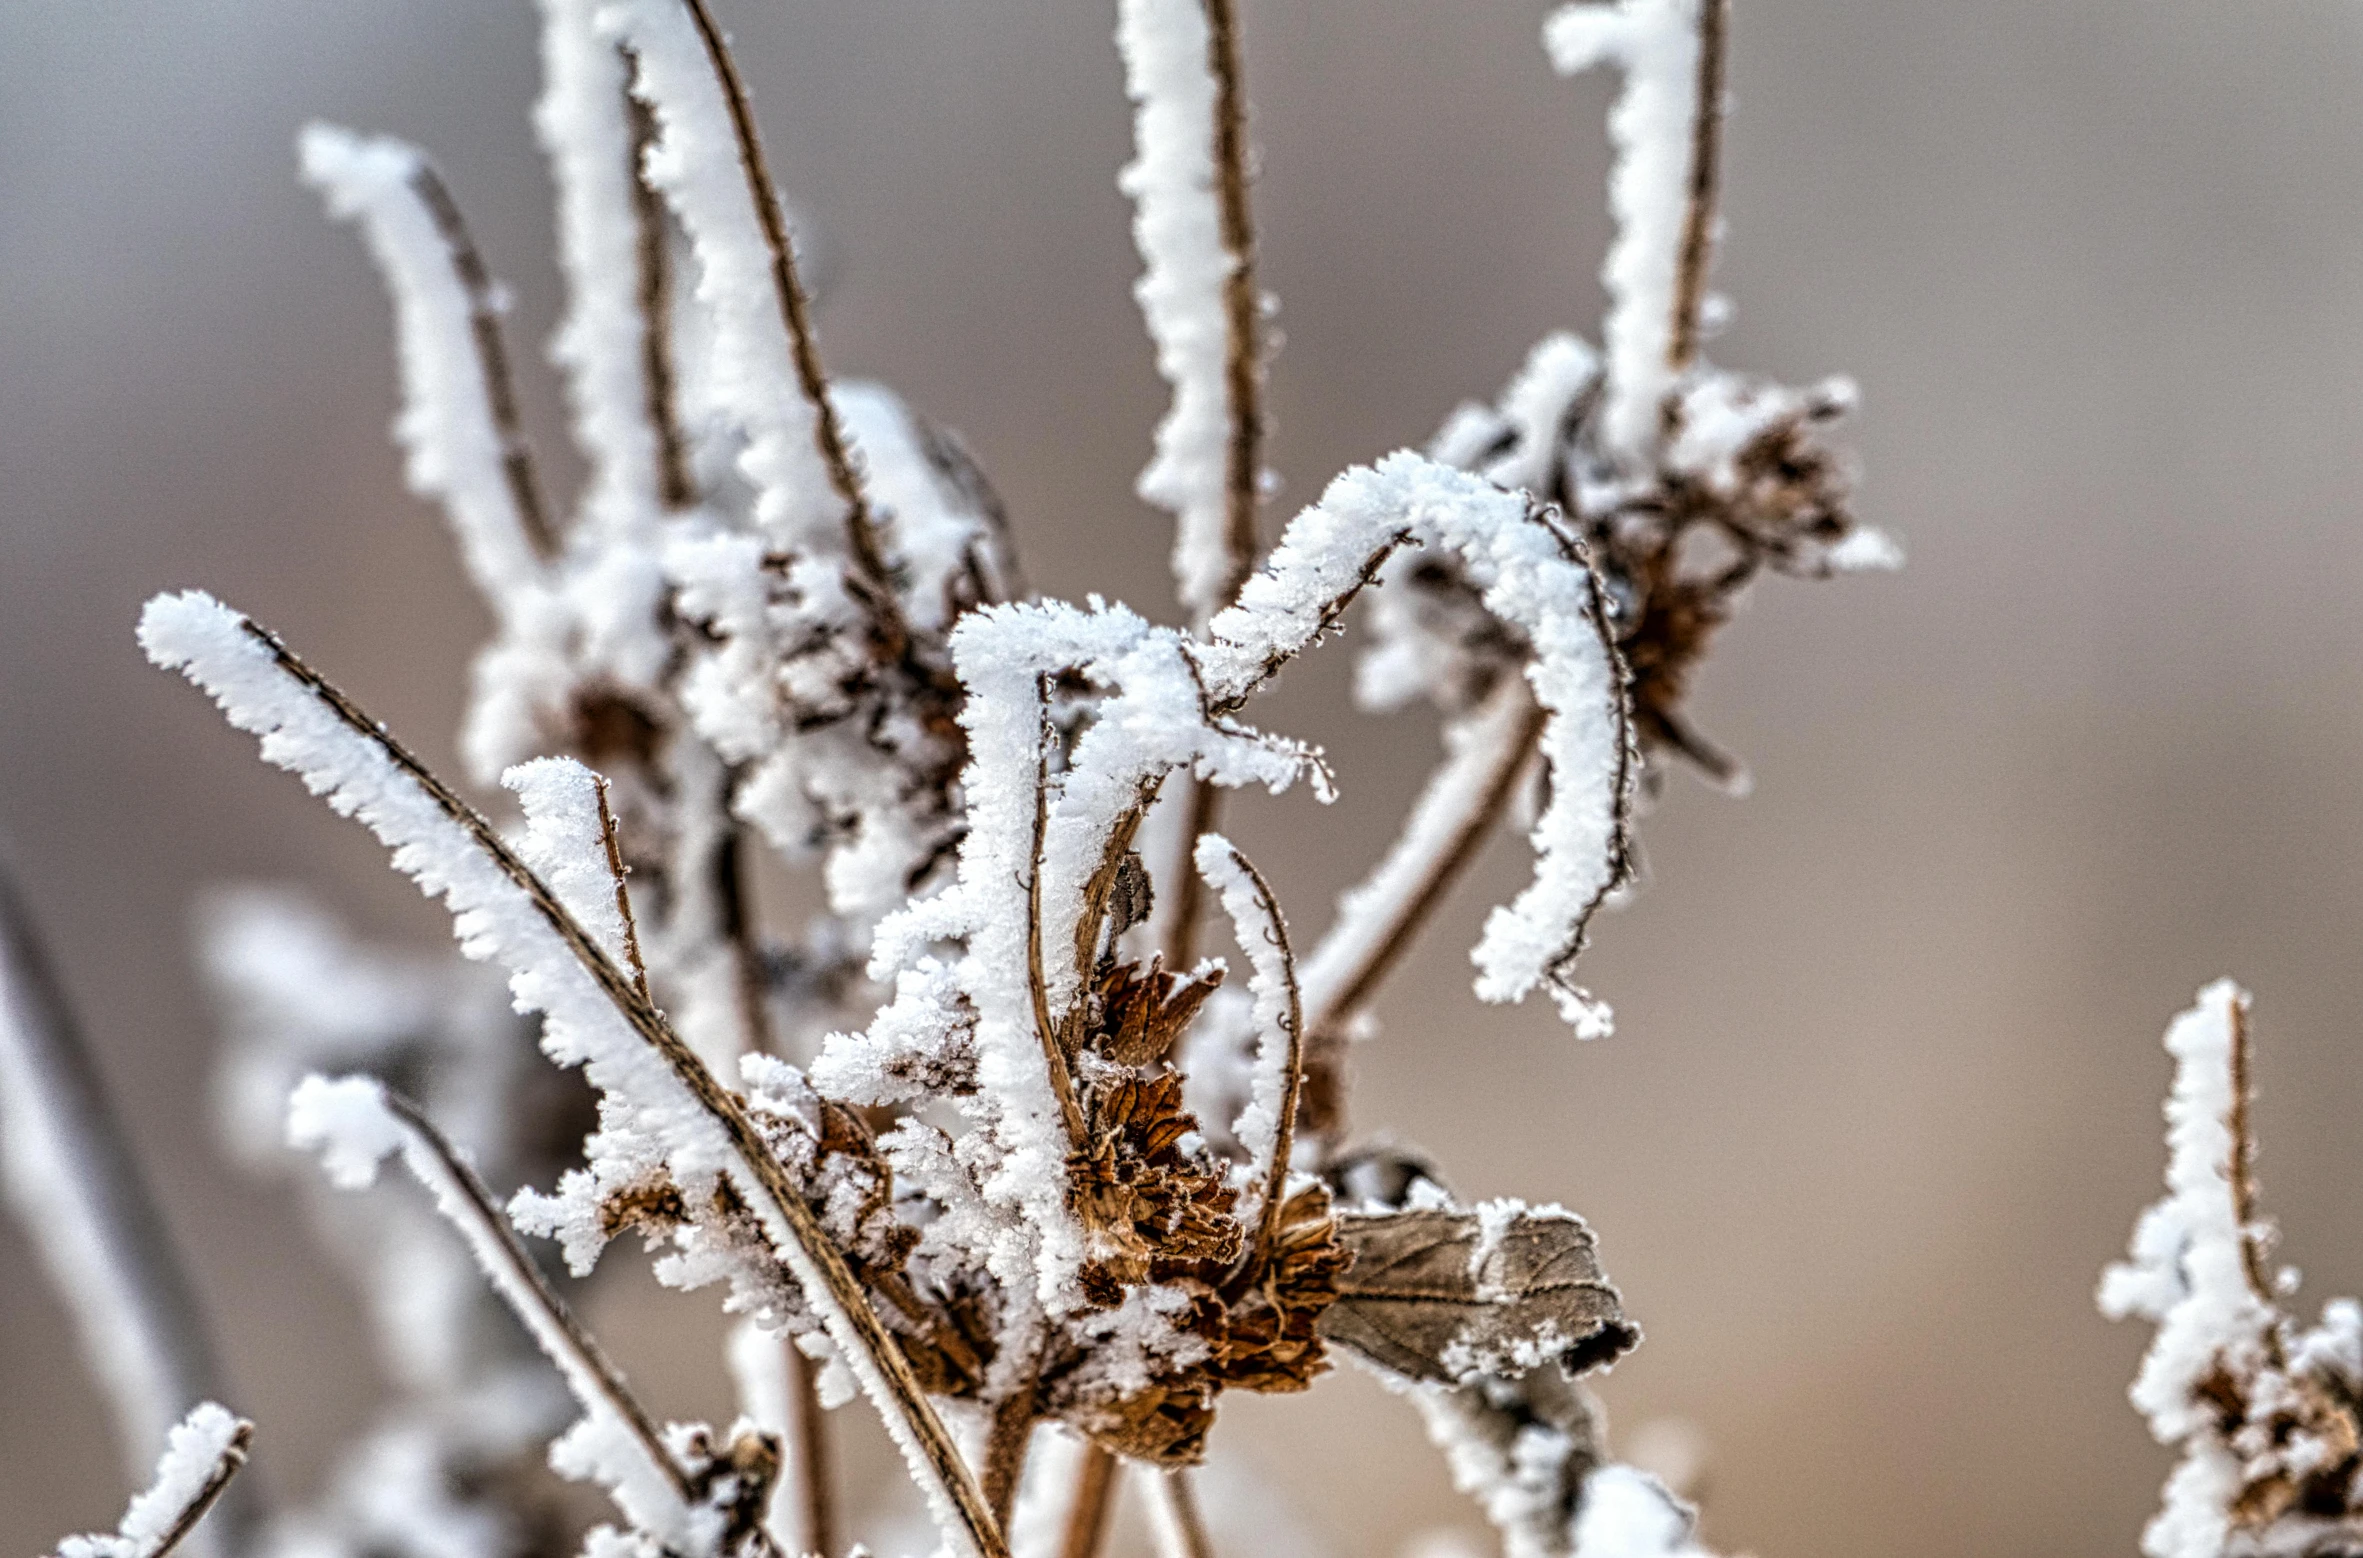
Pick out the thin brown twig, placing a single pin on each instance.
(1243, 303)
(1007, 1439)
(795, 310)
(586, 1360)
(838, 1288)
(1091, 1503)
(217, 1482)
(617, 871)
(2240, 1172)
(492, 357)
(674, 489)
(1706, 155)
(1182, 920)
(808, 1425)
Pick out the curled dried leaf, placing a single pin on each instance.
(1449, 1296)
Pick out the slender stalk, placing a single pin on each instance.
(829, 1283)
(1054, 1051)
(1093, 1500)
(1432, 855)
(795, 311)
(1243, 358)
(75, 1183)
(492, 356)
(2240, 1172)
(585, 1359)
(1292, 1081)
(1183, 1527)
(1183, 920)
(1706, 156)
(808, 1425)
(1008, 1438)
(675, 490)
(217, 1482)
(623, 894)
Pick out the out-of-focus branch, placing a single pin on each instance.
(77, 1188)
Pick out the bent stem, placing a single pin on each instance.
(818, 1266)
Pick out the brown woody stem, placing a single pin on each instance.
(1706, 155)
(816, 1502)
(1088, 1509)
(1243, 357)
(492, 357)
(830, 1284)
(2240, 1172)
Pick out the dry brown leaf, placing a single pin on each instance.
(1432, 1296)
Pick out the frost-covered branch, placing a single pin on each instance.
(1194, 225)
(459, 419)
(355, 1123)
(203, 1452)
(1656, 42)
(503, 909)
(2268, 1415)
(77, 1191)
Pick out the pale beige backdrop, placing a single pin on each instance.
(1884, 1096)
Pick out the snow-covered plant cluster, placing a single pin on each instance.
(992, 1141)
(2266, 1412)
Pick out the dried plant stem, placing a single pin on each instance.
(1243, 359)
(675, 490)
(808, 1430)
(735, 905)
(217, 1483)
(2240, 1172)
(89, 1212)
(586, 1360)
(1007, 1438)
(1054, 1049)
(1434, 851)
(492, 356)
(830, 1283)
(1292, 1077)
(1181, 923)
(796, 318)
(1091, 1503)
(1183, 1527)
(623, 893)
(1706, 155)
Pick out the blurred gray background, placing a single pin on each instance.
(1885, 1091)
